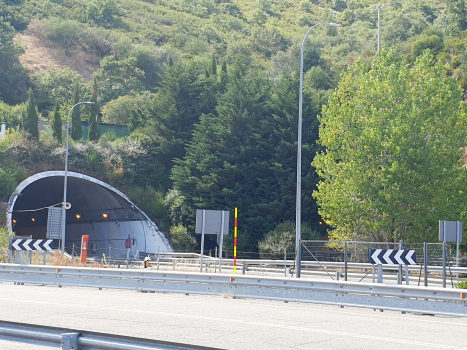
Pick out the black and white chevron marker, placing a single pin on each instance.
(392, 257)
(32, 244)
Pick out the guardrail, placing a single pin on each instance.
(377, 296)
(71, 339)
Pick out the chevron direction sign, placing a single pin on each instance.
(392, 257)
(32, 244)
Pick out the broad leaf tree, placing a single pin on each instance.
(392, 165)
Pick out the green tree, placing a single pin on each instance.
(31, 124)
(118, 78)
(76, 126)
(244, 155)
(94, 133)
(183, 96)
(392, 134)
(57, 124)
(103, 12)
(13, 76)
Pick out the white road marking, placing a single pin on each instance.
(243, 322)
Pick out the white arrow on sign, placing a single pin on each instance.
(26, 244)
(398, 257)
(47, 244)
(37, 244)
(375, 258)
(16, 244)
(409, 257)
(387, 258)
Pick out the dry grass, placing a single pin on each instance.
(40, 56)
(59, 260)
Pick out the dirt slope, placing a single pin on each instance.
(39, 57)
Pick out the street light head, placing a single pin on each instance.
(335, 24)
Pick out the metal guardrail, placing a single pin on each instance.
(71, 339)
(376, 296)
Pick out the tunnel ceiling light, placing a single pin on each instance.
(78, 216)
(33, 220)
(105, 215)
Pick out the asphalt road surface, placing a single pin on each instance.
(223, 322)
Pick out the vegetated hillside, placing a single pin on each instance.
(209, 89)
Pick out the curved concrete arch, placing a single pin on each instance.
(98, 209)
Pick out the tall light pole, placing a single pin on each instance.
(65, 181)
(298, 255)
(379, 24)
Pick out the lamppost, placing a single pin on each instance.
(65, 181)
(379, 24)
(298, 257)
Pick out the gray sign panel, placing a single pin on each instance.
(213, 220)
(449, 230)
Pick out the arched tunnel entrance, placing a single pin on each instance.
(97, 209)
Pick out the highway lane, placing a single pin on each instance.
(226, 323)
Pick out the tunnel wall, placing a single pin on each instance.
(93, 197)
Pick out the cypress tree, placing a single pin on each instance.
(57, 123)
(31, 124)
(170, 61)
(76, 128)
(213, 67)
(94, 133)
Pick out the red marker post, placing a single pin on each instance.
(84, 248)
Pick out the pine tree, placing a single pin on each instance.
(170, 61)
(31, 124)
(76, 127)
(57, 123)
(94, 133)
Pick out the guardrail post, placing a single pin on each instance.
(373, 272)
(399, 272)
(345, 261)
(380, 273)
(444, 264)
(70, 341)
(407, 280)
(425, 263)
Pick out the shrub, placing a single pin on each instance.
(461, 284)
(283, 237)
(181, 240)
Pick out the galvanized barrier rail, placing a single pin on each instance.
(71, 339)
(377, 296)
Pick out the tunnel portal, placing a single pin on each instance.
(99, 210)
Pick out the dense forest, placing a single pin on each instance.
(209, 90)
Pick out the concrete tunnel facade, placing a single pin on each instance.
(97, 209)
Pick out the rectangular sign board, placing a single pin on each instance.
(392, 257)
(212, 221)
(450, 231)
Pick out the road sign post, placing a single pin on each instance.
(212, 222)
(449, 231)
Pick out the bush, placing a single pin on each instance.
(181, 240)
(10, 177)
(433, 42)
(461, 284)
(283, 237)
